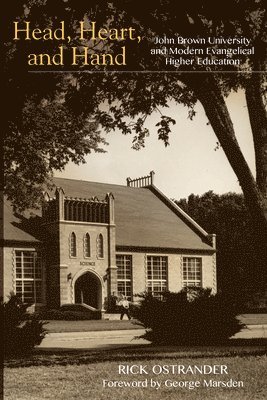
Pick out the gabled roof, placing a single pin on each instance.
(21, 228)
(143, 217)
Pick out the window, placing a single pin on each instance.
(87, 246)
(124, 275)
(28, 276)
(157, 275)
(100, 246)
(73, 248)
(192, 271)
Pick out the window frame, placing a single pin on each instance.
(154, 282)
(127, 282)
(87, 245)
(72, 254)
(37, 299)
(100, 255)
(196, 281)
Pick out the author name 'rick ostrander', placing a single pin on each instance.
(172, 369)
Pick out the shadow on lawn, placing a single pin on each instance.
(240, 348)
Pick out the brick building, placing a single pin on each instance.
(91, 240)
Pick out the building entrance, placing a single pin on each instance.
(88, 290)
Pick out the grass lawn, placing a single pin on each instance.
(95, 374)
(104, 325)
(84, 378)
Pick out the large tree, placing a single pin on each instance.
(134, 96)
(238, 259)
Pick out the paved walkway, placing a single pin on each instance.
(252, 331)
(121, 338)
(93, 340)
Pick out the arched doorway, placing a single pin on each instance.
(88, 290)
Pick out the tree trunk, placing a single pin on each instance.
(258, 122)
(209, 94)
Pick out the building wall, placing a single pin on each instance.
(9, 262)
(175, 270)
(62, 270)
(9, 277)
(72, 267)
(209, 278)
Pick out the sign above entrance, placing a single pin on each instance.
(88, 263)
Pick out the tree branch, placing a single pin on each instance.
(211, 98)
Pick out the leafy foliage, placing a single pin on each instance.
(45, 138)
(238, 256)
(123, 101)
(22, 333)
(68, 315)
(192, 316)
(111, 305)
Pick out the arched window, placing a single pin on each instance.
(100, 246)
(73, 247)
(87, 246)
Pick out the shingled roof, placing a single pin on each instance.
(21, 227)
(144, 218)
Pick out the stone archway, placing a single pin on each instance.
(88, 290)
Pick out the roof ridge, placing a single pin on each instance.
(144, 217)
(99, 183)
(180, 211)
(82, 180)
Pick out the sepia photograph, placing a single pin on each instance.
(134, 200)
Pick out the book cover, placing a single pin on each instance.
(135, 211)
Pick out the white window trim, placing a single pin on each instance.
(126, 280)
(163, 282)
(192, 282)
(42, 279)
